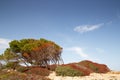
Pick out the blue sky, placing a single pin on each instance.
(86, 29)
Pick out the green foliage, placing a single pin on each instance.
(93, 67)
(11, 65)
(37, 52)
(1, 57)
(67, 71)
(14, 46)
(8, 55)
(28, 47)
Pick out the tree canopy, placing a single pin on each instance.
(40, 52)
(8, 55)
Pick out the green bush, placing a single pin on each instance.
(67, 71)
(94, 68)
(11, 65)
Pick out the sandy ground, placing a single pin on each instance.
(93, 76)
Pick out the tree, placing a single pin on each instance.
(40, 52)
(1, 57)
(9, 58)
(7, 55)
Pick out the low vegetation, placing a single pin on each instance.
(82, 68)
(94, 67)
(38, 71)
(14, 75)
(40, 54)
(67, 71)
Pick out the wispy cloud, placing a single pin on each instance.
(79, 51)
(87, 28)
(4, 43)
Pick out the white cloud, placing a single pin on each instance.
(87, 28)
(4, 44)
(79, 51)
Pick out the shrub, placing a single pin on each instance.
(67, 71)
(38, 71)
(53, 67)
(11, 65)
(93, 67)
(81, 68)
(11, 75)
(20, 76)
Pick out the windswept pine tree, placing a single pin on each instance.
(40, 52)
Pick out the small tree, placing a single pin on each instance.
(1, 57)
(9, 58)
(8, 55)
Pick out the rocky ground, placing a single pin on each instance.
(93, 76)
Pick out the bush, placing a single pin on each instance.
(67, 71)
(38, 71)
(11, 75)
(93, 67)
(20, 76)
(81, 68)
(11, 65)
(53, 67)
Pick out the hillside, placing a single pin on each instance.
(85, 67)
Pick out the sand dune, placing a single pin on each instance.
(93, 76)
